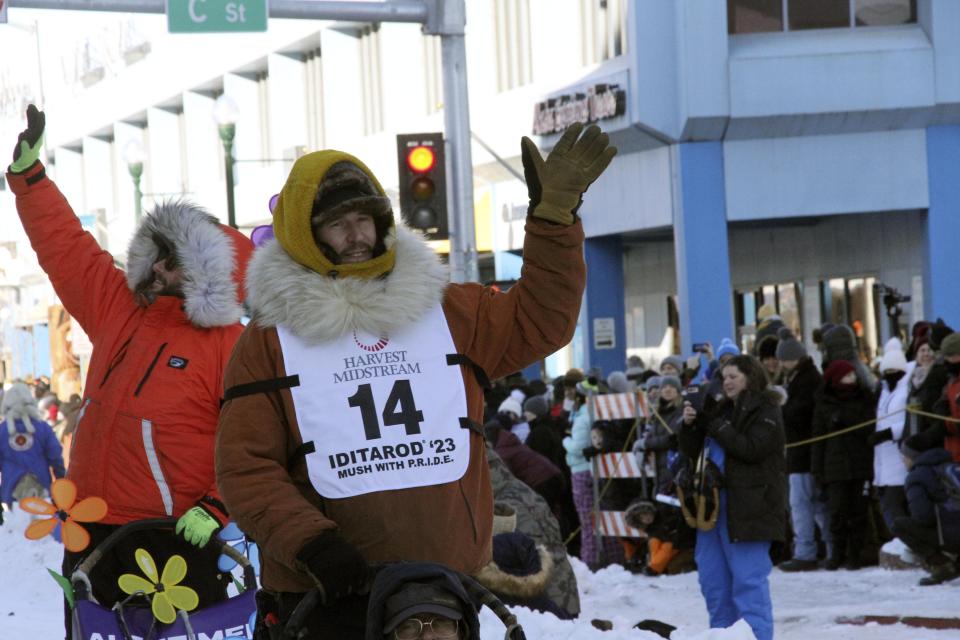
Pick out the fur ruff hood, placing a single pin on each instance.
(520, 587)
(213, 258)
(318, 308)
(19, 404)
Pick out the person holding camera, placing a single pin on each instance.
(743, 436)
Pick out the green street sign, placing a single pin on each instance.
(216, 16)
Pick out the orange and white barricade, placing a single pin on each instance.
(620, 465)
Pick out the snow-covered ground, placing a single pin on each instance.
(805, 605)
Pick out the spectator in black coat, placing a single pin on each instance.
(546, 436)
(934, 523)
(801, 379)
(844, 463)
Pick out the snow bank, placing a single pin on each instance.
(806, 605)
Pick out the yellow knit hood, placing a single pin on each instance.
(291, 218)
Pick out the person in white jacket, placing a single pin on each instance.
(889, 471)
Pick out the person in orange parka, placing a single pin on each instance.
(162, 334)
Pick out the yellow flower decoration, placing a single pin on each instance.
(167, 595)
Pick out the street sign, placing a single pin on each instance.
(604, 333)
(216, 16)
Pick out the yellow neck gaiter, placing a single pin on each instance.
(291, 219)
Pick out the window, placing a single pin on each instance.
(512, 28)
(371, 82)
(851, 301)
(603, 29)
(313, 74)
(433, 65)
(752, 16)
(786, 299)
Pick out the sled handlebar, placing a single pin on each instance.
(80, 577)
(316, 597)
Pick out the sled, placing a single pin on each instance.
(132, 619)
(480, 594)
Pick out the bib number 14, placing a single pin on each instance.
(400, 408)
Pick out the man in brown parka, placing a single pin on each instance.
(349, 436)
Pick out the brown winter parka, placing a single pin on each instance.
(262, 476)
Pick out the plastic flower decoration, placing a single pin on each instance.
(168, 596)
(232, 535)
(65, 511)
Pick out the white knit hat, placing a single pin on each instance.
(893, 358)
(510, 405)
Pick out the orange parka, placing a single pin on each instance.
(145, 433)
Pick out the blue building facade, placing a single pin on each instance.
(806, 163)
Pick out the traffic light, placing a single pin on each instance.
(423, 183)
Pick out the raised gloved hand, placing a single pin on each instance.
(29, 141)
(335, 565)
(198, 525)
(878, 437)
(556, 186)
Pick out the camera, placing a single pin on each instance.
(892, 299)
(694, 396)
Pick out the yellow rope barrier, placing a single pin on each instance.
(826, 436)
(908, 409)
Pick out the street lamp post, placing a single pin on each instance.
(226, 113)
(133, 155)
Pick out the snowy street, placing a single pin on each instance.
(806, 605)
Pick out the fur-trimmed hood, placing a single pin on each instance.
(520, 587)
(319, 308)
(213, 256)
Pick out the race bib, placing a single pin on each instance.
(383, 412)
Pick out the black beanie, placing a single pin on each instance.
(767, 348)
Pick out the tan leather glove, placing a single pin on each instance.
(556, 185)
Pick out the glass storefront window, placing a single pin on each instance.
(878, 13)
(818, 14)
(853, 302)
(786, 299)
(755, 16)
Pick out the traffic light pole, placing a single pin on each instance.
(456, 115)
(445, 18)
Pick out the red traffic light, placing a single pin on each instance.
(421, 159)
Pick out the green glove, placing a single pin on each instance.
(557, 185)
(197, 526)
(27, 151)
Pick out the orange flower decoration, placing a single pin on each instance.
(63, 509)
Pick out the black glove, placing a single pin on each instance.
(335, 565)
(27, 151)
(672, 442)
(878, 437)
(589, 452)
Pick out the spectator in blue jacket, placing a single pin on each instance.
(29, 450)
